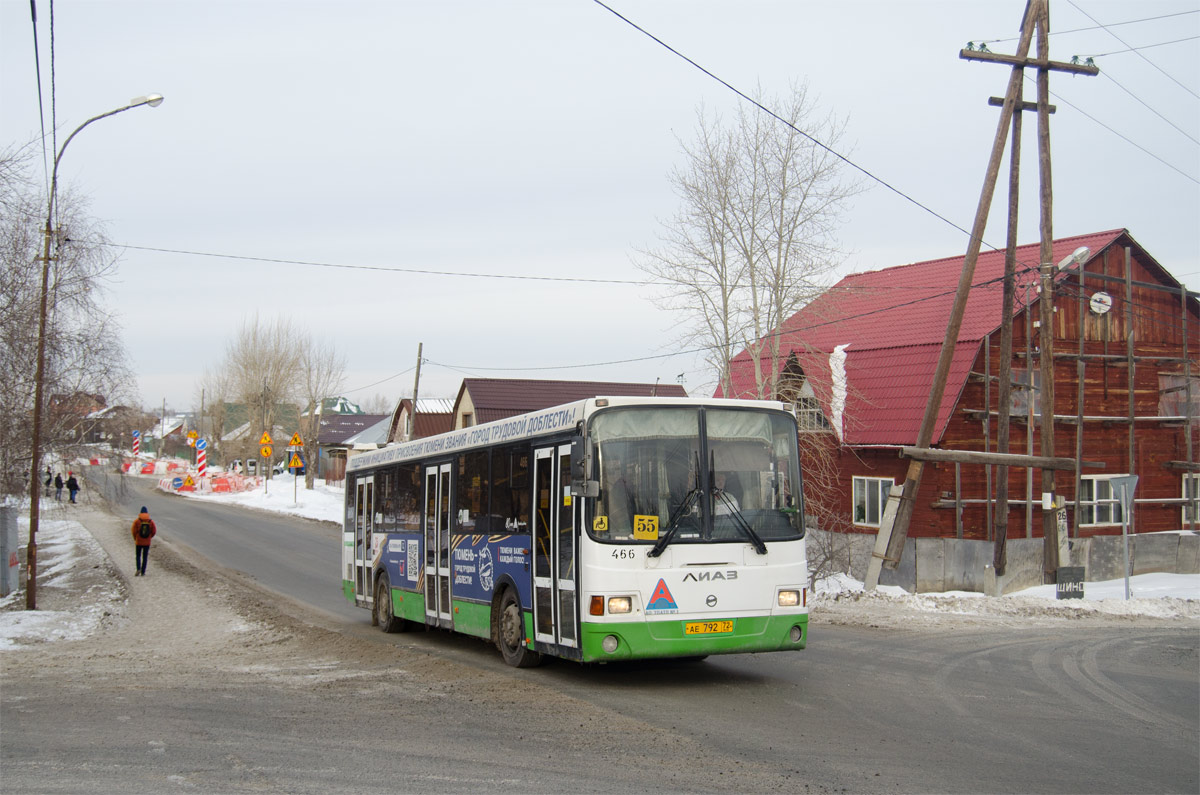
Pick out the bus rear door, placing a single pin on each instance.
(437, 546)
(554, 611)
(364, 525)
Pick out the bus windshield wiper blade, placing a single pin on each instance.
(740, 522)
(673, 524)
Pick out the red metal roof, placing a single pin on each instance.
(500, 398)
(893, 323)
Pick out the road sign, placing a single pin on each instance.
(295, 462)
(296, 440)
(266, 438)
(193, 435)
(266, 451)
(201, 444)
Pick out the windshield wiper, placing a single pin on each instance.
(739, 521)
(689, 500)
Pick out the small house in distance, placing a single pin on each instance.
(859, 361)
(430, 417)
(483, 400)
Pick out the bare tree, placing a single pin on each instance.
(268, 365)
(755, 235)
(324, 371)
(379, 404)
(263, 366)
(213, 395)
(84, 356)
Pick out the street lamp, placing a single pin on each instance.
(153, 100)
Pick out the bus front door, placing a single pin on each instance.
(437, 546)
(554, 600)
(364, 525)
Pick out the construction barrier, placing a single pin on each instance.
(223, 483)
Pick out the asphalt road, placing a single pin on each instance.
(1079, 707)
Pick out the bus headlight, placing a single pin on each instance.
(789, 598)
(620, 604)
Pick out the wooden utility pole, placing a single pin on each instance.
(1036, 17)
(412, 415)
(1050, 540)
(1003, 423)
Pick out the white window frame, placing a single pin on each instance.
(1023, 395)
(809, 416)
(880, 488)
(1173, 394)
(1191, 479)
(1099, 503)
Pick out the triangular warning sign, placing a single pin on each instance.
(266, 438)
(296, 440)
(661, 599)
(295, 463)
(188, 481)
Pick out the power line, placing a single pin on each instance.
(53, 104)
(1123, 137)
(787, 123)
(1105, 73)
(37, 69)
(1142, 310)
(381, 381)
(387, 269)
(711, 348)
(1098, 26)
(1143, 57)
(1136, 49)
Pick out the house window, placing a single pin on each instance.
(1191, 493)
(1099, 502)
(870, 497)
(1173, 396)
(1026, 391)
(468, 420)
(797, 388)
(809, 416)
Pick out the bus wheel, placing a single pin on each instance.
(510, 633)
(382, 614)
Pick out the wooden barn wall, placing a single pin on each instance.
(1157, 324)
(1158, 329)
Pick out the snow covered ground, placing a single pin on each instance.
(67, 552)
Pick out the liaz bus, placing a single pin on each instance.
(606, 529)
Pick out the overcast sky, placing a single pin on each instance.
(534, 139)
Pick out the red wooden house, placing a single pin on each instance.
(858, 363)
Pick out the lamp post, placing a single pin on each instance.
(153, 100)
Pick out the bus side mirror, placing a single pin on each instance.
(580, 468)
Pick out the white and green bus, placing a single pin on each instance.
(606, 529)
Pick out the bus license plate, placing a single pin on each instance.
(707, 627)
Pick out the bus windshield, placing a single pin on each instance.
(681, 474)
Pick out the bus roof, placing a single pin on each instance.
(544, 422)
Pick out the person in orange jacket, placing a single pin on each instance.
(143, 530)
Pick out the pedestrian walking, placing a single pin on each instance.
(72, 485)
(58, 484)
(143, 530)
(47, 481)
